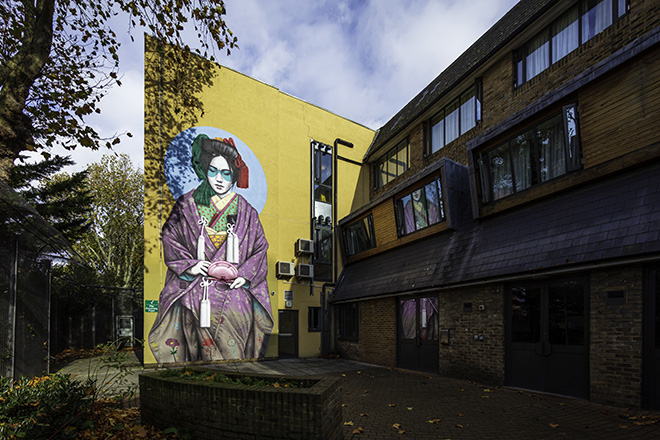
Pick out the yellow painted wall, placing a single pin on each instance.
(278, 128)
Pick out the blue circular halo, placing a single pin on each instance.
(181, 177)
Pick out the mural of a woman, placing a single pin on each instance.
(215, 303)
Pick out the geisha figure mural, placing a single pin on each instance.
(215, 303)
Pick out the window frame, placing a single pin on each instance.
(370, 235)
(572, 155)
(314, 314)
(386, 159)
(520, 55)
(349, 321)
(400, 206)
(455, 105)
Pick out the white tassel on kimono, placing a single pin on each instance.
(201, 242)
(205, 305)
(232, 245)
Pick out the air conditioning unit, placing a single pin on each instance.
(305, 271)
(304, 246)
(284, 270)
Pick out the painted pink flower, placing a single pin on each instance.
(207, 342)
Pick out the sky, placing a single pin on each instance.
(360, 59)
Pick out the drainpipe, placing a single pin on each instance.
(325, 326)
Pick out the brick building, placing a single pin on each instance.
(512, 230)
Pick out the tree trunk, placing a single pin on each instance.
(18, 75)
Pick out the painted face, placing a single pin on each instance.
(219, 176)
(417, 194)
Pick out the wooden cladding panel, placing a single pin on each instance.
(620, 113)
(384, 223)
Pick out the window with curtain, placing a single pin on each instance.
(565, 34)
(576, 26)
(537, 59)
(420, 208)
(597, 17)
(457, 118)
(468, 111)
(548, 150)
(391, 165)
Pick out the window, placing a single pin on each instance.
(322, 253)
(359, 236)
(323, 195)
(391, 165)
(323, 173)
(314, 319)
(420, 208)
(456, 119)
(576, 26)
(548, 150)
(348, 321)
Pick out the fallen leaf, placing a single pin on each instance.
(554, 425)
(562, 404)
(410, 408)
(485, 397)
(486, 390)
(349, 423)
(358, 430)
(359, 372)
(343, 375)
(461, 389)
(344, 405)
(434, 421)
(459, 414)
(623, 426)
(391, 405)
(364, 414)
(401, 431)
(396, 426)
(459, 426)
(366, 391)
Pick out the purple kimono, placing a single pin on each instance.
(416, 216)
(241, 319)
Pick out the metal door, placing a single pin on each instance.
(417, 341)
(547, 337)
(288, 334)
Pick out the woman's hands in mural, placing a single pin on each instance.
(201, 268)
(238, 283)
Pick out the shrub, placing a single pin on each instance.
(43, 407)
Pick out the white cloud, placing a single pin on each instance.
(363, 60)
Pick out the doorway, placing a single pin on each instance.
(417, 334)
(547, 340)
(288, 334)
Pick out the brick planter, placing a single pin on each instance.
(211, 410)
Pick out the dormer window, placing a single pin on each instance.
(545, 151)
(420, 208)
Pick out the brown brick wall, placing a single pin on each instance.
(376, 334)
(464, 357)
(211, 411)
(500, 98)
(616, 338)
